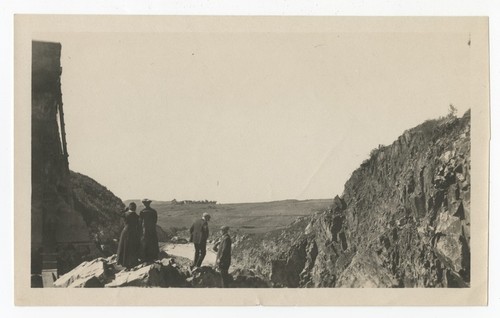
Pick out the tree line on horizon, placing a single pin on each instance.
(174, 201)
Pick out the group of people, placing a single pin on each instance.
(139, 241)
(199, 235)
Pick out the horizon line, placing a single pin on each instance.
(248, 202)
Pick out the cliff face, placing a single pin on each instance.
(54, 221)
(408, 208)
(73, 218)
(402, 221)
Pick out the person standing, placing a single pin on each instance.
(199, 235)
(149, 241)
(129, 245)
(223, 260)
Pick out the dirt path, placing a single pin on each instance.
(187, 251)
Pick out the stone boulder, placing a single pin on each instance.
(205, 276)
(174, 277)
(450, 243)
(104, 272)
(144, 275)
(95, 273)
(175, 272)
(366, 271)
(245, 278)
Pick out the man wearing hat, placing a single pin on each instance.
(149, 240)
(199, 236)
(223, 260)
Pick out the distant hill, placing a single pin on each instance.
(241, 217)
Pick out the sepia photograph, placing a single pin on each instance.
(252, 155)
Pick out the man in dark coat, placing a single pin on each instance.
(199, 236)
(223, 260)
(149, 241)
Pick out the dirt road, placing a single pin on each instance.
(187, 251)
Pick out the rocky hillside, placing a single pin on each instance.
(100, 209)
(402, 221)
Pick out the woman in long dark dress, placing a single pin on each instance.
(129, 246)
(149, 241)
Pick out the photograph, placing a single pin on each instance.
(263, 155)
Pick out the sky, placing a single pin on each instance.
(248, 117)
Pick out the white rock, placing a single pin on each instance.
(83, 273)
